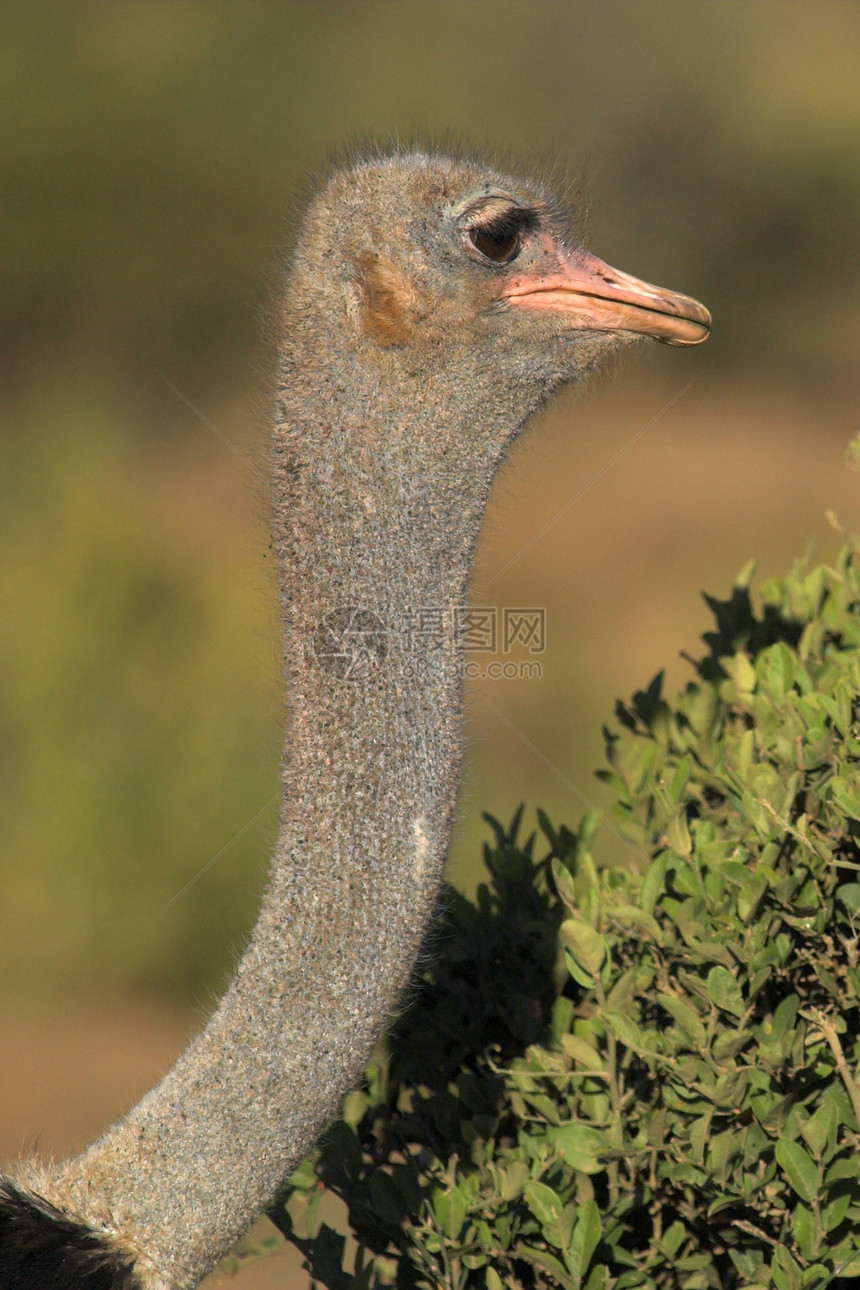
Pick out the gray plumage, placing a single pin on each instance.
(431, 306)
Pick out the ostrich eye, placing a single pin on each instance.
(500, 241)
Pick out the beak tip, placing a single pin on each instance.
(684, 342)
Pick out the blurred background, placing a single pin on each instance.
(152, 155)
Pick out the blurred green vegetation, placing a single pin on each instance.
(139, 720)
(150, 158)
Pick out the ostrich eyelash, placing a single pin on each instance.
(500, 238)
(516, 219)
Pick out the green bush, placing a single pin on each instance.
(650, 1078)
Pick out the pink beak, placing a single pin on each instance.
(596, 297)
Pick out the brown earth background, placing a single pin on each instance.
(151, 156)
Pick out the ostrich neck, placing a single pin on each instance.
(375, 546)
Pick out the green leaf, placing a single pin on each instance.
(680, 778)
(561, 1021)
(833, 1213)
(743, 674)
(779, 669)
(846, 1261)
(625, 1030)
(747, 1262)
(846, 796)
(485, 1237)
(805, 1231)
(513, 1179)
(585, 944)
(820, 1130)
(585, 979)
(558, 1232)
(563, 880)
(580, 1145)
(844, 1167)
(632, 914)
(354, 1107)
(598, 1278)
(728, 1044)
(305, 1177)
(723, 1149)
(586, 1236)
(672, 1239)
(678, 835)
(745, 753)
(730, 1088)
(799, 1168)
(743, 578)
(785, 1016)
(653, 884)
(786, 1271)
(849, 894)
(624, 991)
(686, 1016)
(583, 1053)
(724, 991)
(554, 1266)
(750, 894)
(450, 1210)
(543, 1202)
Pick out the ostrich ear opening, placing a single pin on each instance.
(391, 307)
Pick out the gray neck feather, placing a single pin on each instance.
(375, 529)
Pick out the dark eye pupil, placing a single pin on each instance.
(499, 245)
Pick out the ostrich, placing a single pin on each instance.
(431, 306)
